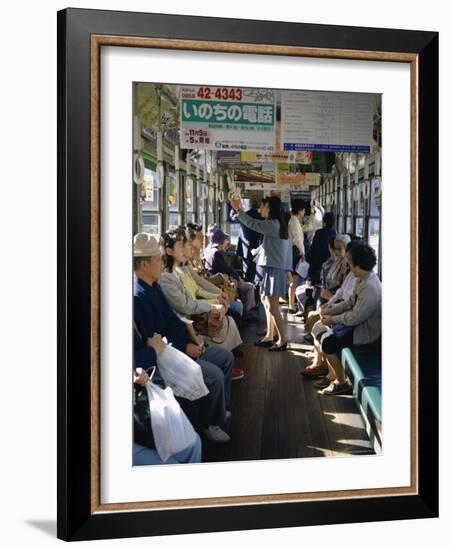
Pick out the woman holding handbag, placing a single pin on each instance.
(173, 283)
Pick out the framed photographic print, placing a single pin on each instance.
(247, 274)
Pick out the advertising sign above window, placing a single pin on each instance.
(227, 119)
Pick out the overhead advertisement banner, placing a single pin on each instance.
(289, 157)
(303, 179)
(227, 119)
(327, 121)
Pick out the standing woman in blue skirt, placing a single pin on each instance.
(275, 259)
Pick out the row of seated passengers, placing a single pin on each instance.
(171, 285)
(348, 312)
(163, 299)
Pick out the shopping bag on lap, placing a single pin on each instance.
(172, 431)
(181, 373)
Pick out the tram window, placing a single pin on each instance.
(189, 190)
(374, 203)
(151, 223)
(174, 220)
(341, 224)
(349, 225)
(234, 233)
(151, 218)
(359, 227)
(350, 206)
(173, 193)
(374, 235)
(190, 217)
(360, 207)
(341, 202)
(151, 197)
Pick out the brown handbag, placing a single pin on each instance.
(207, 325)
(229, 288)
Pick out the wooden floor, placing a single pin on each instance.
(277, 413)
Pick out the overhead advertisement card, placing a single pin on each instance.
(327, 121)
(302, 179)
(227, 119)
(288, 157)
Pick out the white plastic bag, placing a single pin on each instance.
(181, 373)
(172, 431)
(302, 268)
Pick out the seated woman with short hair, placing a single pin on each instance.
(356, 320)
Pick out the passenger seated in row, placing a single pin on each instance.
(356, 320)
(154, 319)
(200, 274)
(319, 250)
(182, 299)
(340, 292)
(144, 448)
(308, 294)
(216, 262)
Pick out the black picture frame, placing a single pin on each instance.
(76, 518)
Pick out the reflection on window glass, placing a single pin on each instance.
(149, 191)
(374, 201)
(349, 225)
(341, 224)
(174, 220)
(234, 233)
(341, 202)
(189, 195)
(374, 235)
(172, 192)
(349, 202)
(151, 223)
(359, 227)
(360, 207)
(203, 194)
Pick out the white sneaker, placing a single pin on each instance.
(216, 434)
(227, 414)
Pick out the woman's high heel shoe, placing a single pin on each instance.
(276, 347)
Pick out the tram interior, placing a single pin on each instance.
(276, 411)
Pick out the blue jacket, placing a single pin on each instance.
(216, 262)
(319, 251)
(248, 238)
(152, 313)
(275, 252)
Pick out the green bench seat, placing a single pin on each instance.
(363, 367)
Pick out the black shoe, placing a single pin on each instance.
(308, 338)
(275, 347)
(264, 343)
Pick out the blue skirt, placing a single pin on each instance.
(274, 282)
